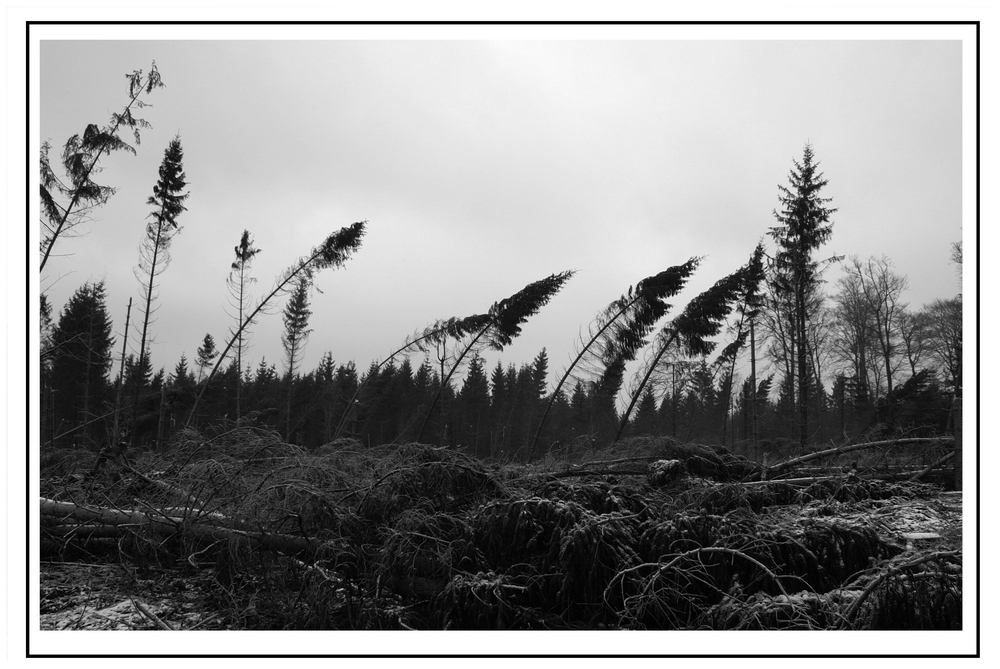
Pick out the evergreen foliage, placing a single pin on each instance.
(207, 353)
(702, 318)
(615, 337)
(335, 250)
(80, 157)
(296, 319)
(80, 361)
(503, 323)
(239, 282)
(154, 254)
(803, 226)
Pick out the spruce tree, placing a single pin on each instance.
(296, 317)
(803, 226)
(646, 418)
(474, 408)
(335, 250)
(81, 358)
(182, 376)
(239, 282)
(207, 353)
(154, 254)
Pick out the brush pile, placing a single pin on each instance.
(654, 535)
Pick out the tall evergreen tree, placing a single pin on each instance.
(296, 317)
(81, 358)
(325, 374)
(646, 416)
(239, 282)
(182, 376)
(154, 254)
(474, 408)
(335, 250)
(803, 226)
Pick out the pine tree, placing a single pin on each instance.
(154, 254)
(345, 386)
(182, 377)
(207, 353)
(474, 409)
(615, 336)
(502, 323)
(803, 226)
(646, 418)
(81, 358)
(325, 373)
(296, 317)
(239, 282)
(335, 250)
(701, 319)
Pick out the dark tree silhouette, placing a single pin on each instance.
(803, 226)
(79, 158)
(81, 359)
(154, 253)
(239, 281)
(618, 333)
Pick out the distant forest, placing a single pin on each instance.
(771, 359)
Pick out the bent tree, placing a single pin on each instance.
(702, 318)
(335, 250)
(502, 324)
(618, 333)
(79, 159)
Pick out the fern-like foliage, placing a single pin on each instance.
(500, 325)
(618, 333)
(335, 250)
(701, 319)
(80, 157)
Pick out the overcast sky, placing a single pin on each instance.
(481, 166)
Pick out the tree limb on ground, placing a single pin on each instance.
(169, 526)
(781, 466)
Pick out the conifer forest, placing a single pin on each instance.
(781, 450)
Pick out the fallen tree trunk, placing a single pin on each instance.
(937, 463)
(781, 466)
(167, 526)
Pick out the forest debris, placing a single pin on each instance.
(431, 538)
(892, 571)
(152, 616)
(663, 472)
(837, 450)
(169, 526)
(937, 463)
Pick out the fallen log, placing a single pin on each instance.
(937, 463)
(837, 450)
(167, 526)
